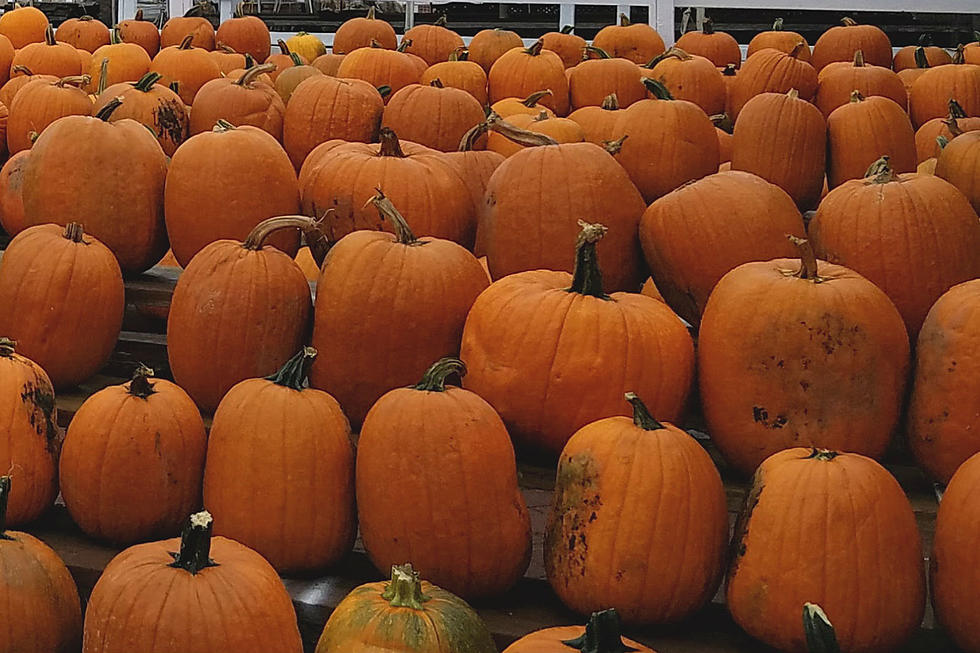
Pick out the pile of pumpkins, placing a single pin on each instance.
(492, 214)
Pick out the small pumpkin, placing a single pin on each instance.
(839, 80)
(530, 105)
(432, 115)
(958, 163)
(779, 39)
(156, 107)
(861, 131)
(840, 43)
(283, 59)
(955, 123)
(598, 123)
(461, 73)
(637, 42)
(905, 58)
(20, 77)
(522, 71)
(488, 45)
(433, 42)
(40, 103)
(49, 57)
(931, 92)
(187, 66)
(328, 64)
(591, 81)
(306, 45)
(128, 62)
(178, 28)
(23, 25)
(379, 68)
(241, 102)
(245, 33)
(565, 44)
(772, 71)
(359, 32)
(720, 48)
(691, 78)
(84, 33)
(141, 32)
(290, 78)
(600, 634)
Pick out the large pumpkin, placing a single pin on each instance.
(602, 630)
(29, 449)
(361, 32)
(568, 46)
(60, 285)
(178, 591)
(132, 460)
(913, 235)
(780, 373)
(432, 115)
(488, 45)
(23, 25)
(156, 107)
(379, 67)
(637, 42)
(49, 57)
(127, 62)
(283, 450)
(404, 614)
(863, 130)
(188, 67)
(374, 336)
(434, 43)
(407, 524)
(522, 71)
(691, 78)
(176, 29)
(459, 73)
(84, 33)
(612, 470)
(41, 102)
(591, 81)
(838, 80)
(531, 352)
(829, 528)
(70, 159)
(840, 43)
(695, 235)
(772, 71)
(778, 39)
(143, 33)
(42, 611)
(931, 92)
(720, 48)
(245, 34)
(959, 163)
(239, 311)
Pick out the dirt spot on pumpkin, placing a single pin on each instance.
(761, 415)
(39, 403)
(168, 121)
(740, 536)
(576, 505)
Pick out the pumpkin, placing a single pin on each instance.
(20, 77)
(40, 103)
(241, 102)
(696, 234)
(63, 283)
(6, 59)
(598, 123)
(910, 75)
(141, 32)
(691, 78)
(176, 30)
(521, 71)
(156, 107)
(530, 350)
(479, 480)
(328, 64)
(127, 214)
(227, 59)
(835, 529)
(594, 79)
(31, 442)
(12, 219)
(359, 32)
(361, 356)
(43, 610)
(530, 105)
(942, 411)
(912, 235)
(429, 193)
(783, 139)
(132, 460)
(308, 46)
(380, 67)
(432, 115)
(720, 48)
(959, 162)
(474, 167)
(905, 57)
(189, 67)
(558, 130)
(779, 39)
(406, 613)
(724, 146)
(489, 44)
(290, 78)
(245, 33)
(637, 42)
(611, 470)
(49, 57)
(772, 71)
(861, 131)
(459, 73)
(284, 59)
(823, 334)
(434, 43)
(839, 80)
(23, 25)
(931, 92)
(179, 586)
(84, 33)
(568, 46)
(840, 43)
(601, 633)
(128, 62)
(678, 130)
(955, 123)
(275, 433)
(256, 288)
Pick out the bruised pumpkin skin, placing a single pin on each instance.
(670, 563)
(833, 529)
(602, 629)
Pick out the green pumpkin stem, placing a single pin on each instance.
(295, 59)
(294, 372)
(955, 110)
(103, 76)
(139, 385)
(256, 238)
(434, 379)
(808, 259)
(826, 455)
(106, 112)
(777, 25)
(388, 212)
(74, 232)
(390, 145)
(437, 83)
(7, 347)
(532, 100)
(405, 588)
(567, 29)
(598, 52)
(587, 277)
(672, 52)
(657, 89)
(942, 141)
(174, 86)
(881, 171)
(384, 90)
(602, 635)
(195, 545)
(818, 631)
(147, 82)
(4, 496)
(642, 416)
(535, 48)
(283, 48)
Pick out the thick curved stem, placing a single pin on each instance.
(185, 43)
(405, 588)
(147, 82)
(195, 545)
(808, 259)
(294, 372)
(614, 146)
(567, 29)
(602, 635)
(283, 48)
(295, 59)
(518, 135)
(657, 89)
(535, 48)
(106, 112)
(468, 142)
(402, 47)
(390, 145)
(388, 212)
(139, 385)
(532, 100)
(777, 25)
(74, 232)
(74, 80)
(919, 55)
(370, 13)
(798, 50)
(587, 277)
(250, 75)
(22, 69)
(49, 35)
(818, 631)
(671, 53)
(598, 52)
(953, 126)
(256, 239)
(642, 416)
(847, 21)
(434, 379)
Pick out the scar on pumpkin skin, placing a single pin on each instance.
(40, 403)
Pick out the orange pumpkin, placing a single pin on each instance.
(434, 43)
(12, 219)
(359, 32)
(568, 46)
(554, 130)
(432, 115)
(724, 146)
(531, 352)
(691, 78)
(84, 33)
(132, 461)
(931, 92)
(328, 64)
(602, 627)
(6, 59)
(637, 42)
(598, 123)
(127, 62)
(910, 75)
(40, 103)
(839, 80)
(380, 67)
(530, 105)
(156, 107)
(522, 71)
(720, 48)
(141, 32)
(905, 58)
(594, 79)
(840, 43)
(474, 167)
(189, 67)
(779, 39)
(254, 287)
(611, 470)
(49, 57)
(861, 131)
(178, 28)
(409, 525)
(955, 123)
(361, 356)
(488, 45)
(959, 162)
(227, 59)
(240, 102)
(290, 78)
(23, 25)
(20, 77)
(245, 33)
(283, 59)
(459, 73)
(772, 71)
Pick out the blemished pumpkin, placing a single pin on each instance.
(461, 73)
(360, 32)
(488, 45)
(283, 450)
(931, 92)
(84, 33)
(863, 130)
(306, 45)
(786, 552)
(156, 107)
(840, 43)
(12, 219)
(176, 29)
(434, 43)
(772, 71)
(600, 634)
(598, 123)
(568, 46)
(380, 67)
(637, 42)
(432, 115)
(29, 448)
(49, 57)
(128, 62)
(43, 611)
(783, 139)
(689, 77)
(530, 354)
(23, 25)
(143, 33)
(404, 613)
(823, 335)
(132, 461)
(779, 39)
(60, 285)
(522, 71)
(223, 183)
(695, 235)
(41, 102)
(179, 587)
(959, 162)
(513, 135)
(837, 81)
(245, 33)
(187, 66)
(720, 48)
(943, 420)
(477, 483)
(433, 283)
(611, 470)
(955, 123)
(594, 79)
(912, 235)
(127, 214)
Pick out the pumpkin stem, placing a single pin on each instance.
(798, 50)
(614, 146)
(294, 372)
(955, 110)
(174, 86)
(856, 96)
(531, 100)
(587, 277)
(390, 145)
(256, 239)
(7, 347)
(777, 25)
(808, 259)
(441, 21)
(185, 43)
(138, 15)
(437, 83)
(384, 91)
(49, 35)
(919, 54)
(567, 29)
(24, 70)
(624, 20)
(222, 126)
(642, 416)
(103, 76)
(295, 59)
(953, 126)
(819, 633)
(543, 115)
(106, 112)
(460, 53)
(793, 94)
(657, 89)
(250, 61)
(825, 455)
(942, 141)
(251, 74)
(402, 47)
(73, 80)
(535, 48)
(729, 70)
(470, 138)
(520, 136)
(674, 52)
(881, 171)
(283, 48)
(224, 47)
(74, 232)
(139, 385)
(4, 494)
(847, 21)
(388, 212)
(147, 82)
(610, 102)
(115, 37)
(959, 56)
(370, 13)
(598, 52)
(707, 26)
(434, 379)
(405, 588)
(859, 58)
(602, 635)
(195, 544)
